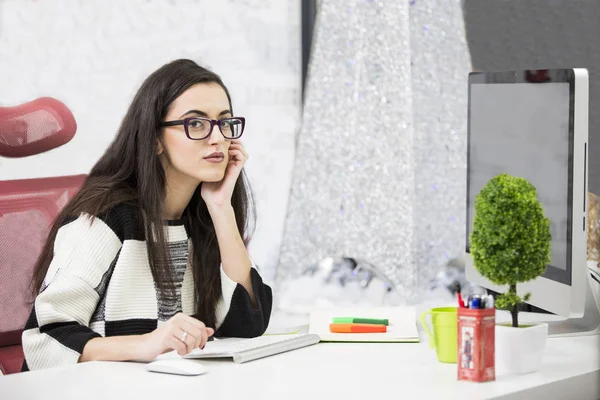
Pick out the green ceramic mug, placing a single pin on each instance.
(444, 337)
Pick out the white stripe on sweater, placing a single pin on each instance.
(188, 300)
(69, 298)
(85, 250)
(82, 254)
(42, 351)
(131, 293)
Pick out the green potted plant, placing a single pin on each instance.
(510, 244)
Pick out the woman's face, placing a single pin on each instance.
(196, 161)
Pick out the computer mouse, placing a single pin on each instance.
(177, 367)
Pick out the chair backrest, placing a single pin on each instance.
(35, 127)
(28, 207)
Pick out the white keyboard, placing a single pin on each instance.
(237, 345)
(242, 350)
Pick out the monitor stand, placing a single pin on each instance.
(589, 324)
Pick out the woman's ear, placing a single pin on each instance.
(159, 148)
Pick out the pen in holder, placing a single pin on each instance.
(476, 344)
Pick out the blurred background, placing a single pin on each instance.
(356, 115)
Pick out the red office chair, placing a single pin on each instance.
(35, 127)
(27, 209)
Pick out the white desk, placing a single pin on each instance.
(571, 370)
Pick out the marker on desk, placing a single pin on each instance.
(461, 302)
(489, 303)
(475, 302)
(354, 320)
(357, 328)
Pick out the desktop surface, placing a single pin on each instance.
(344, 370)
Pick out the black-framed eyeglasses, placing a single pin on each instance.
(197, 128)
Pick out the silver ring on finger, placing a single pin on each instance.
(184, 336)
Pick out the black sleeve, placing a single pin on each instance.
(243, 320)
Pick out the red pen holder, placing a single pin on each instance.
(476, 344)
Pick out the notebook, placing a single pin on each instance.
(402, 324)
(244, 350)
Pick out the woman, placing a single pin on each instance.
(149, 256)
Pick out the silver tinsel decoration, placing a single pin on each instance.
(337, 282)
(440, 67)
(380, 160)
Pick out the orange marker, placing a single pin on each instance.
(357, 328)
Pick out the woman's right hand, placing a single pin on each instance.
(181, 333)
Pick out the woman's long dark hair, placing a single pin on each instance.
(130, 172)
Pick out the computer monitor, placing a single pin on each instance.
(534, 124)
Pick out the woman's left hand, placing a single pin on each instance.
(218, 194)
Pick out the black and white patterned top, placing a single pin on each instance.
(99, 283)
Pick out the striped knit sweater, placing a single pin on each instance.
(99, 283)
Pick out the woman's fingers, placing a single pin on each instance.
(239, 147)
(177, 345)
(191, 320)
(197, 332)
(238, 155)
(201, 332)
(190, 340)
(204, 339)
(193, 331)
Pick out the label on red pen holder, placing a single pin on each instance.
(476, 344)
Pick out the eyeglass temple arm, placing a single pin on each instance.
(173, 123)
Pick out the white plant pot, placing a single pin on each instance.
(519, 350)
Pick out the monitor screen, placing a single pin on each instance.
(524, 129)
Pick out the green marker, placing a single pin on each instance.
(352, 320)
